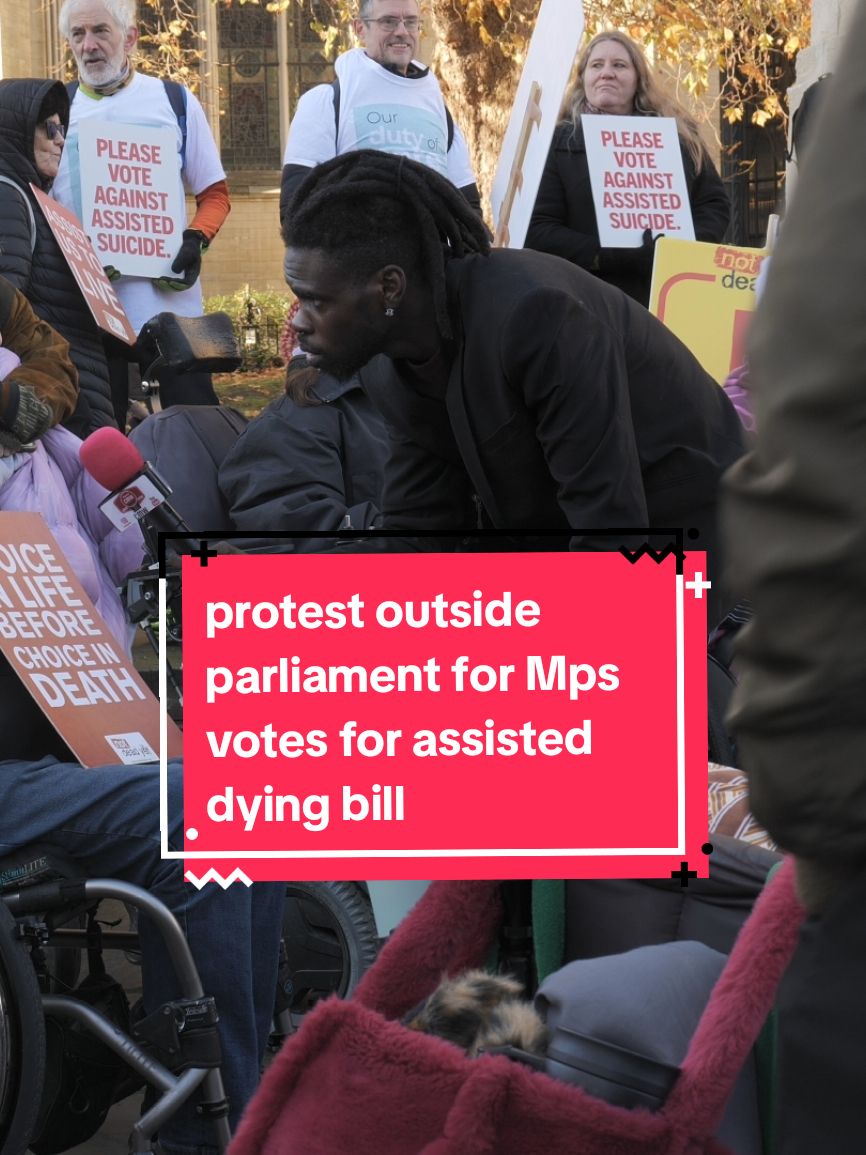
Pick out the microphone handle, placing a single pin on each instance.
(151, 528)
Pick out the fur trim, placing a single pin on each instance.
(479, 1011)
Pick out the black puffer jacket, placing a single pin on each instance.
(41, 272)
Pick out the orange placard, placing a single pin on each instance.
(72, 665)
(86, 267)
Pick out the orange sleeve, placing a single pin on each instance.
(212, 208)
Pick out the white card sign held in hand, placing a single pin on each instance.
(637, 178)
(131, 204)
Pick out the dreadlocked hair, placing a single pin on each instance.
(373, 209)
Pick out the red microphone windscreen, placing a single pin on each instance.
(110, 458)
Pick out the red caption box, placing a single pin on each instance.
(445, 716)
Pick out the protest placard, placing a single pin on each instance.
(85, 266)
(637, 178)
(132, 207)
(705, 293)
(448, 716)
(75, 669)
(552, 49)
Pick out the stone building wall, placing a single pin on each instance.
(248, 249)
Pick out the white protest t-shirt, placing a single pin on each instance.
(379, 109)
(144, 102)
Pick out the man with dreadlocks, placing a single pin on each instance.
(520, 391)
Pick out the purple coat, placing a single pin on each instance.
(52, 481)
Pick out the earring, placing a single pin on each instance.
(389, 312)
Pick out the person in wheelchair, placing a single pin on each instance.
(313, 459)
(107, 818)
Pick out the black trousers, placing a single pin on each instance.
(822, 1032)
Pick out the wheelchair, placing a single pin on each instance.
(69, 1048)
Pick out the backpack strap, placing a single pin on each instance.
(335, 84)
(176, 94)
(28, 206)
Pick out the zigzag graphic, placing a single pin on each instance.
(658, 556)
(237, 875)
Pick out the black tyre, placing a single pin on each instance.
(330, 940)
(22, 1042)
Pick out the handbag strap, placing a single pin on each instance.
(738, 1007)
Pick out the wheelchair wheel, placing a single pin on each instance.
(330, 939)
(22, 1042)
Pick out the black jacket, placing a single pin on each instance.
(563, 220)
(298, 467)
(566, 406)
(41, 272)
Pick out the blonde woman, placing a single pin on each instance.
(614, 78)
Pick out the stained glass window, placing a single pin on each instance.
(248, 87)
(248, 78)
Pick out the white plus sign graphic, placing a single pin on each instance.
(698, 585)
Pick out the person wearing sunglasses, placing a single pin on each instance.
(382, 98)
(34, 117)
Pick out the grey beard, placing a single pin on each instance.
(114, 84)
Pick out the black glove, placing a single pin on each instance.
(187, 262)
(622, 262)
(25, 417)
(647, 250)
(111, 272)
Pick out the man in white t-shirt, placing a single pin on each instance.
(102, 35)
(382, 99)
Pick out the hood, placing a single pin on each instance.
(20, 103)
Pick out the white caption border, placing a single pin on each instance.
(491, 852)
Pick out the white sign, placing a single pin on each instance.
(132, 748)
(131, 203)
(637, 178)
(554, 45)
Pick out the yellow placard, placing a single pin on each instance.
(705, 293)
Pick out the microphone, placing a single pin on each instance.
(138, 493)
